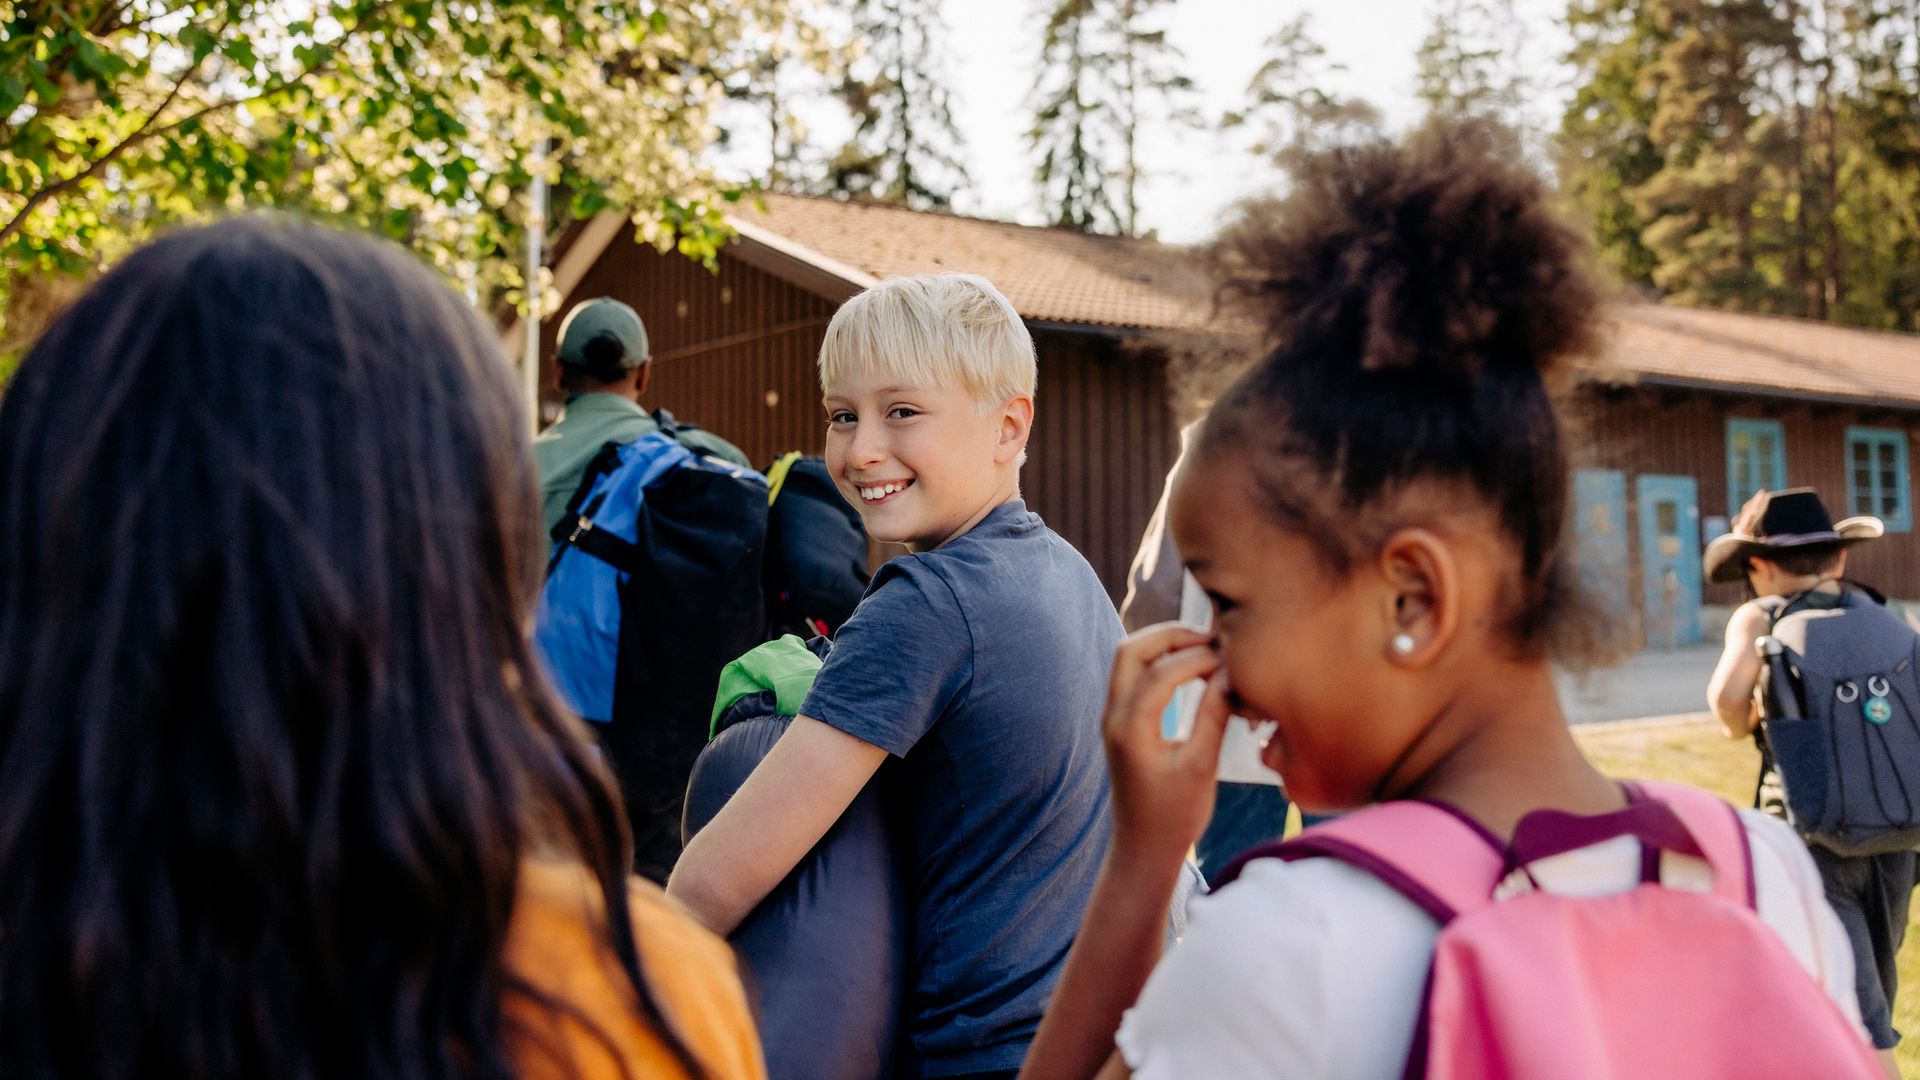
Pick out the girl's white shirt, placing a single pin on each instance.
(1316, 969)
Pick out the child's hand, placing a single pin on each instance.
(1162, 789)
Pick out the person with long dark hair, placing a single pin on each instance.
(282, 791)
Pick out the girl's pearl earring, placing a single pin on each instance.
(1403, 644)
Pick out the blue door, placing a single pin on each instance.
(1600, 536)
(1669, 560)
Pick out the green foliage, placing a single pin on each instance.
(1761, 155)
(1106, 72)
(416, 119)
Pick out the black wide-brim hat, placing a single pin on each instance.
(1781, 521)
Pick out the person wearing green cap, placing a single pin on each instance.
(603, 360)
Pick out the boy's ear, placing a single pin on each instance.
(1423, 594)
(1016, 423)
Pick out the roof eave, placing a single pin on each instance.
(794, 263)
(1657, 380)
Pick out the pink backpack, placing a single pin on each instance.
(1651, 982)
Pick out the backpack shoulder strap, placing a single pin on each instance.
(777, 474)
(1716, 827)
(604, 461)
(1788, 603)
(1864, 589)
(1446, 864)
(674, 427)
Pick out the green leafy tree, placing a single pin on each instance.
(905, 146)
(416, 119)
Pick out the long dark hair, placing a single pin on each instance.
(272, 743)
(1417, 302)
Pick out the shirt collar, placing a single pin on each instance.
(600, 402)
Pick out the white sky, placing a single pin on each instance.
(1194, 175)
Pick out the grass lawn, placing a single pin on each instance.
(1698, 753)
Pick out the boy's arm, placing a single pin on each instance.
(1162, 798)
(792, 798)
(1730, 691)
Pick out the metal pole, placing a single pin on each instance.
(536, 255)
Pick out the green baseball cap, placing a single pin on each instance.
(602, 317)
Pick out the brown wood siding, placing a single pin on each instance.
(1103, 440)
(736, 353)
(1684, 433)
(734, 350)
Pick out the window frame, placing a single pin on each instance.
(1755, 425)
(1876, 437)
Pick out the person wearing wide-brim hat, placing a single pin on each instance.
(1783, 543)
(1776, 522)
(1790, 551)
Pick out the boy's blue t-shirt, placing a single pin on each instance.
(983, 665)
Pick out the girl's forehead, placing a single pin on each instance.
(1209, 500)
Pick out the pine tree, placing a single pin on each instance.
(787, 66)
(1603, 148)
(1290, 103)
(905, 147)
(1879, 205)
(1703, 208)
(1762, 155)
(1106, 76)
(1469, 64)
(1152, 89)
(1073, 124)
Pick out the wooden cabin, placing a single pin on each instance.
(1684, 415)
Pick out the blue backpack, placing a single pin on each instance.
(1841, 705)
(654, 586)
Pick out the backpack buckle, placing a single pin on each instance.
(580, 528)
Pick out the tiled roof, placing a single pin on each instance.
(1050, 274)
(1657, 343)
(1065, 276)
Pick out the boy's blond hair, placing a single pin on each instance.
(945, 329)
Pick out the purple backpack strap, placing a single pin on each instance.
(1444, 863)
(1718, 830)
(1448, 865)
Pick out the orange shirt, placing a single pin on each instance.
(597, 1033)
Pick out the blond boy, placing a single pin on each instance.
(974, 670)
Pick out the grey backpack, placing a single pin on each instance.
(1843, 724)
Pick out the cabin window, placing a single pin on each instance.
(1756, 460)
(1877, 476)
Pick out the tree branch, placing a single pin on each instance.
(147, 131)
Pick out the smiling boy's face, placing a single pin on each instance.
(922, 463)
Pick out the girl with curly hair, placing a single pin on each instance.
(1376, 510)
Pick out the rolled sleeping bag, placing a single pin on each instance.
(825, 952)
